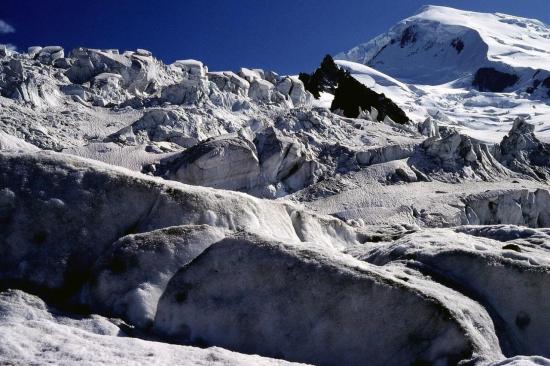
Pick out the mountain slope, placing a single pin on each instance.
(477, 72)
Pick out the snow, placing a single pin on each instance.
(132, 274)
(428, 77)
(324, 101)
(289, 300)
(515, 41)
(496, 38)
(33, 333)
(9, 142)
(501, 277)
(481, 115)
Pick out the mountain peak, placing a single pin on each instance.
(440, 44)
(429, 7)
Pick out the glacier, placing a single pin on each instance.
(155, 213)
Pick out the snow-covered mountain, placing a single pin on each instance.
(441, 44)
(475, 70)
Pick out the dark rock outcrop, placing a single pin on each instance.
(458, 45)
(350, 96)
(488, 79)
(325, 78)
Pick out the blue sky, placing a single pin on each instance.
(283, 35)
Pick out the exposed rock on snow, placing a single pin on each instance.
(240, 288)
(489, 79)
(350, 95)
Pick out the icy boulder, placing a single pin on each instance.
(192, 69)
(522, 152)
(260, 90)
(429, 128)
(129, 278)
(37, 91)
(298, 93)
(35, 334)
(162, 125)
(302, 304)
(49, 54)
(108, 88)
(60, 213)
(18, 82)
(511, 281)
(514, 207)
(140, 73)
(461, 154)
(228, 81)
(228, 163)
(89, 63)
(382, 154)
(294, 88)
(251, 75)
(187, 91)
(284, 159)
(33, 51)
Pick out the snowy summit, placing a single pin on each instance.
(441, 44)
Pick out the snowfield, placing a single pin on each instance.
(156, 213)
